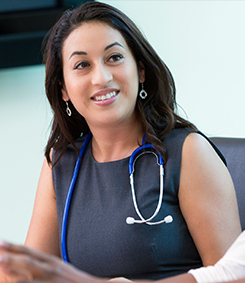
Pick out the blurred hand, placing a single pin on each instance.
(23, 264)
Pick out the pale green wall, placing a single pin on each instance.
(203, 44)
(24, 119)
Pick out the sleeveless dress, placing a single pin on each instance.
(99, 241)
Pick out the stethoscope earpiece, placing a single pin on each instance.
(131, 220)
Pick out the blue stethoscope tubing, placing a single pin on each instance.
(130, 220)
(69, 195)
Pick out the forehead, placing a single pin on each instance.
(92, 36)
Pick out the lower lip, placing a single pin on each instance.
(106, 102)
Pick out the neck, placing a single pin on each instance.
(115, 143)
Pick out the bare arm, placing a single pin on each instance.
(43, 230)
(207, 199)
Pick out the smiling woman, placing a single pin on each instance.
(99, 74)
(113, 100)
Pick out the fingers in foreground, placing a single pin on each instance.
(21, 249)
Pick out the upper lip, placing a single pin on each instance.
(104, 92)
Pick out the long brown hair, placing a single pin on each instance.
(157, 113)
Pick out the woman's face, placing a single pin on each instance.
(101, 76)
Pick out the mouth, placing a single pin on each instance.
(104, 97)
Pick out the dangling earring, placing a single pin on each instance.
(143, 93)
(68, 110)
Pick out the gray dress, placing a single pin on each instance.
(99, 241)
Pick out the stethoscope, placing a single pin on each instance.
(130, 220)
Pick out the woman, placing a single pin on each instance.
(105, 81)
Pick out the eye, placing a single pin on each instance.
(82, 65)
(115, 58)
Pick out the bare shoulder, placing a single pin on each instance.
(198, 147)
(203, 173)
(202, 170)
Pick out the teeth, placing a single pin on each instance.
(107, 96)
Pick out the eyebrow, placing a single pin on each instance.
(85, 53)
(78, 53)
(113, 44)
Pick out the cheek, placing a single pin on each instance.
(76, 87)
(73, 84)
(131, 79)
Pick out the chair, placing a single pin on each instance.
(233, 150)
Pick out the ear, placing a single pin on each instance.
(65, 96)
(141, 72)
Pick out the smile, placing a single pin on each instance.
(105, 97)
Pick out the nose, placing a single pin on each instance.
(101, 75)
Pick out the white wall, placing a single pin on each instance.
(203, 44)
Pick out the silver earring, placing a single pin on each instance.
(68, 110)
(143, 93)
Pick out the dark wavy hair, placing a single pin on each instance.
(157, 113)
